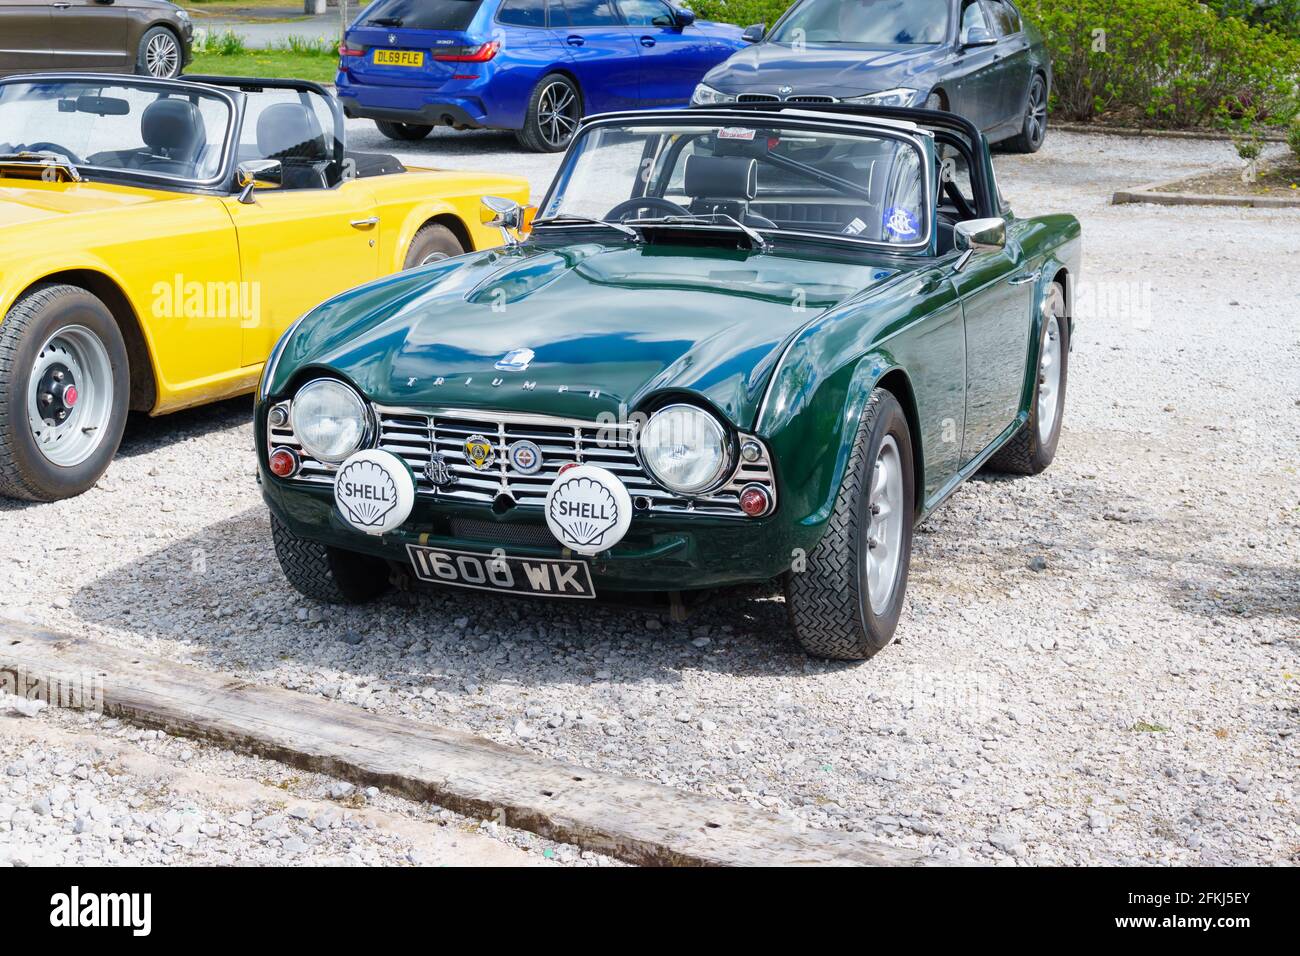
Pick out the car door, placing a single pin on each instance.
(603, 55)
(25, 35)
(1011, 64)
(997, 295)
(673, 58)
(297, 248)
(975, 88)
(90, 35)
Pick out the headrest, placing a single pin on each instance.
(290, 131)
(721, 177)
(175, 126)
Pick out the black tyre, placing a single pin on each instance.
(431, 243)
(328, 574)
(845, 602)
(1032, 449)
(1033, 128)
(65, 384)
(160, 54)
(554, 110)
(404, 132)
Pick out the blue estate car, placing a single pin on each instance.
(534, 66)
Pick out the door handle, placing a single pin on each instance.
(574, 40)
(1026, 277)
(59, 5)
(365, 223)
(647, 41)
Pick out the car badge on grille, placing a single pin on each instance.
(392, 38)
(786, 90)
(526, 457)
(516, 360)
(439, 472)
(480, 452)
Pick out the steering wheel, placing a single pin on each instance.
(44, 147)
(620, 212)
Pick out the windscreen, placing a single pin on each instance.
(865, 22)
(116, 125)
(783, 181)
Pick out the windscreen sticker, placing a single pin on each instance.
(854, 228)
(901, 223)
(735, 132)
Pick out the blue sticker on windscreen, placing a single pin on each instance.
(901, 223)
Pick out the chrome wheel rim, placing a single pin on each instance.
(1037, 114)
(69, 427)
(433, 257)
(884, 549)
(1049, 371)
(161, 56)
(557, 113)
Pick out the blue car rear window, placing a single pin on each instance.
(421, 14)
(523, 13)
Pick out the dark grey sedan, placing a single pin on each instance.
(979, 58)
(114, 36)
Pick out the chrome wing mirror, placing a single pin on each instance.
(258, 174)
(978, 235)
(507, 215)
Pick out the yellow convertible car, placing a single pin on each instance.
(157, 237)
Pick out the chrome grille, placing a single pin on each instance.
(811, 99)
(413, 435)
(758, 98)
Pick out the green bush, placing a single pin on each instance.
(1293, 139)
(1282, 15)
(743, 13)
(1164, 62)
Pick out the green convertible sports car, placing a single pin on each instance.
(735, 344)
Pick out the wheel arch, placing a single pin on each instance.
(455, 225)
(144, 382)
(897, 383)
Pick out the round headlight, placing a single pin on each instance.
(685, 448)
(329, 419)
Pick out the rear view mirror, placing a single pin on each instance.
(755, 33)
(101, 105)
(682, 18)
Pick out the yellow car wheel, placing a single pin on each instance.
(64, 388)
(433, 242)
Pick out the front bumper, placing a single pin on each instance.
(659, 553)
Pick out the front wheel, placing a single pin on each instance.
(64, 390)
(1032, 449)
(1033, 127)
(404, 132)
(553, 114)
(327, 574)
(160, 54)
(433, 242)
(845, 601)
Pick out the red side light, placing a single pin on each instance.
(754, 501)
(565, 467)
(468, 54)
(283, 463)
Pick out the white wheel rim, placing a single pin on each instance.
(884, 550)
(161, 56)
(67, 434)
(1049, 370)
(433, 257)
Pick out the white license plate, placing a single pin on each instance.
(547, 577)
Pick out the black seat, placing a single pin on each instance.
(174, 133)
(290, 133)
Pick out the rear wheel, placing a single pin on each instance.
(327, 574)
(433, 242)
(404, 132)
(160, 54)
(1033, 128)
(846, 602)
(553, 114)
(64, 389)
(1032, 448)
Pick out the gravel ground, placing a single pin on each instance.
(79, 789)
(1096, 665)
